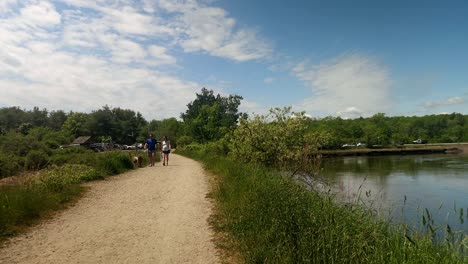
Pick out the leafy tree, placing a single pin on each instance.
(279, 138)
(210, 117)
(11, 118)
(57, 119)
(76, 124)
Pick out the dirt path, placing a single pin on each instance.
(150, 215)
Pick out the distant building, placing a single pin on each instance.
(82, 141)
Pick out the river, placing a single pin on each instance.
(405, 189)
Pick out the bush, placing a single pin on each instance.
(10, 165)
(20, 204)
(56, 178)
(219, 147)
(194, 147)
(114, 163)
(184, 141)
(36, 159)
(76, 155)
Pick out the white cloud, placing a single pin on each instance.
(268, 80)
(6, 4)
(448, 101)
(41, 14)
(80, 55)
(80, 61)
(160, 55)
(211, 30)
(351, 85)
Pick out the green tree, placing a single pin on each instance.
(210, 117)
(277, 139)
(75, 124)
(37, 117)
(57, 119)
(11, 118)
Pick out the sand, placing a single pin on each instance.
(149, 215)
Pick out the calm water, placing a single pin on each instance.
(402, 187)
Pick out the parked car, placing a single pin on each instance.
(419, 141)
(98, 147)
(360, 144)
(348, 145)
(129, 147)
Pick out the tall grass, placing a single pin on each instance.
(22, 204)
(269, 218)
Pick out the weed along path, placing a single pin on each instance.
(150, 215)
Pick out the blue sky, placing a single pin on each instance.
(328, 58)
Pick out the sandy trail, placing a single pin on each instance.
(150, 215)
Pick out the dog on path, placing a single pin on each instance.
(137, 160)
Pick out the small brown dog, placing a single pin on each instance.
(137, 160)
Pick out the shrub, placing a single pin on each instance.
(114, 163)
(184, 141)
(36, 159)
(20, 204)
(76, 155)
(194, 147)
(57, 178)
(219, 147)
(9, 165)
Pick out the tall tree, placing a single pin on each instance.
(209, 117)
(56, 119)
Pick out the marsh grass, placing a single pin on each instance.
(269, 218)
(24, 203)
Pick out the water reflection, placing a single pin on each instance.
(401, 188)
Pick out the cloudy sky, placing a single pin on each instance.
(328, 58)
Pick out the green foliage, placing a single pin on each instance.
(269, 218)
(210, 117)
(75, 124)
(279, 138)
(75, 155)
(57, 179)
(23, 203)
(10, 164)
(20, 204)
(114, 163)
(184, 141)
(170, 127)
(36, 159)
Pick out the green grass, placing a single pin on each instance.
(22, 204)
(269, 218)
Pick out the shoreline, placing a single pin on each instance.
(457, 148)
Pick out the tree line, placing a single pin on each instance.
(215, 119)
(210, 117)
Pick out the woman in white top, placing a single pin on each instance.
(166, 149)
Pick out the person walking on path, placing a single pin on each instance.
(166, 149)
(150, 145)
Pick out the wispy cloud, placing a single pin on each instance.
(448, 101)
(208, 29)
(269, 80)
(350, 85)
(80, 55)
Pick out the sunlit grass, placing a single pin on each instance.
(24, 203)
(270, 218)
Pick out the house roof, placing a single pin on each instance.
(81, 140)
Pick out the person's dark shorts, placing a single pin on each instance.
(151, 152)
(166, 151)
